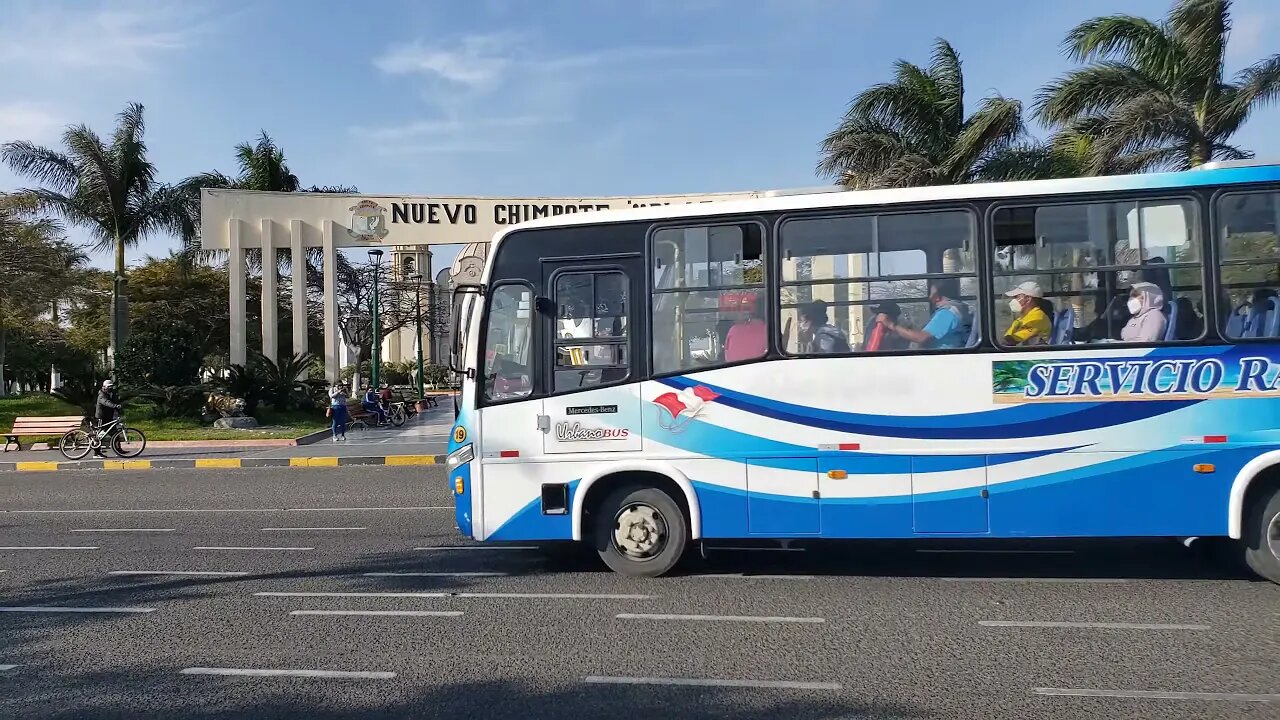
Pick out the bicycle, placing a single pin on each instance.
(125, 442)
(397, 414)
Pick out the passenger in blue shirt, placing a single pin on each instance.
(948, 327)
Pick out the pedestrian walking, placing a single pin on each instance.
(338, 411)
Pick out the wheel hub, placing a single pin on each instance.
(640, 531)
(1273, 536)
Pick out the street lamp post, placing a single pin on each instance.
(417, 308)
(375, 257)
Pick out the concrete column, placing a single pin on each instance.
(332, 336)
(270, 302)
(236, 273)
(298, 262)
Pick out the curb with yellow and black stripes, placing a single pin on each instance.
(221, 463)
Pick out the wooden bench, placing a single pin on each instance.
(35, 426)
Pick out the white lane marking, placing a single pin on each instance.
(110, 530)
(226, 510)
(47, 609)
(7, 667)
(941, 551)
(232, 547)
(567, 596)
(744, 576)
(477, 547)
(49, 547)
(1090, 581)
(311, 528)
(1158, 694)
(722, 618)
(1097, 625)
(759, 549)
(435, 574)
(380, 613)
(261, 672)
(708, 682)
(191, 573)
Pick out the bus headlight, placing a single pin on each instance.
(461, 456)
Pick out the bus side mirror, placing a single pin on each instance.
(544, 305)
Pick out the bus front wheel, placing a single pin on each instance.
(1261, 538)
(640, 531)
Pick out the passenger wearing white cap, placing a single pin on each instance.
(1032, 316)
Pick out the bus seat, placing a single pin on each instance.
(1064, 325)
(1235, 324)
(1171, 326)
(974, 332)
(1272, 328)
(1253, 321)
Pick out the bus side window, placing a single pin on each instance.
(1084, 265)
(1249, 270)
(708, 297)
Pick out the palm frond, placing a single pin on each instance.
(1130, 39)
(1026, 161)
(1092, 90)
(1255, 86)
(948, 76)
(1200, 29)
(41, 164)
(997, 124)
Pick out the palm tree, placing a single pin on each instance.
(1156, 90)
(914, 131)
(109, 189)
(262, 167)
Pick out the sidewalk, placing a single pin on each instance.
(426, 435)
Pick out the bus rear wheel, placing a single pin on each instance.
(640, 531)
(1261, 537)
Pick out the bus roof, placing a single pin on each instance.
(781, 201)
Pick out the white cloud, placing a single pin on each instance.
(476, 61)
(420, 129)
(119, 36)
(23, 120)
(497, 92)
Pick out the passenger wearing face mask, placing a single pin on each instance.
(1032, 316)
(1146, 303)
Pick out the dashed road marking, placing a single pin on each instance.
(49, 547)
(49, 609)
(708, 682)
(435, 574)
(112, 530)
(262, 549)
(263, 672)
(494, 595)
(1090, 625)
(720, 618)
(181, 573)
(1158, 694)
(383, 613)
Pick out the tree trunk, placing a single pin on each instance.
(4, 337)
(1199, 153)
(119, 305)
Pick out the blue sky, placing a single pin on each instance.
(509, 97)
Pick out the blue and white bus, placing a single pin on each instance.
(1095, 357)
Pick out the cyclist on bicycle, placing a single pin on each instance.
(106, 409)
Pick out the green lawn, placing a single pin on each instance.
(275, 425)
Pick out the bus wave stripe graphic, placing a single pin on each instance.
(1002, 423)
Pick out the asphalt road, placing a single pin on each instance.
(875, 630)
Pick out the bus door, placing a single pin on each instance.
(594, 401)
